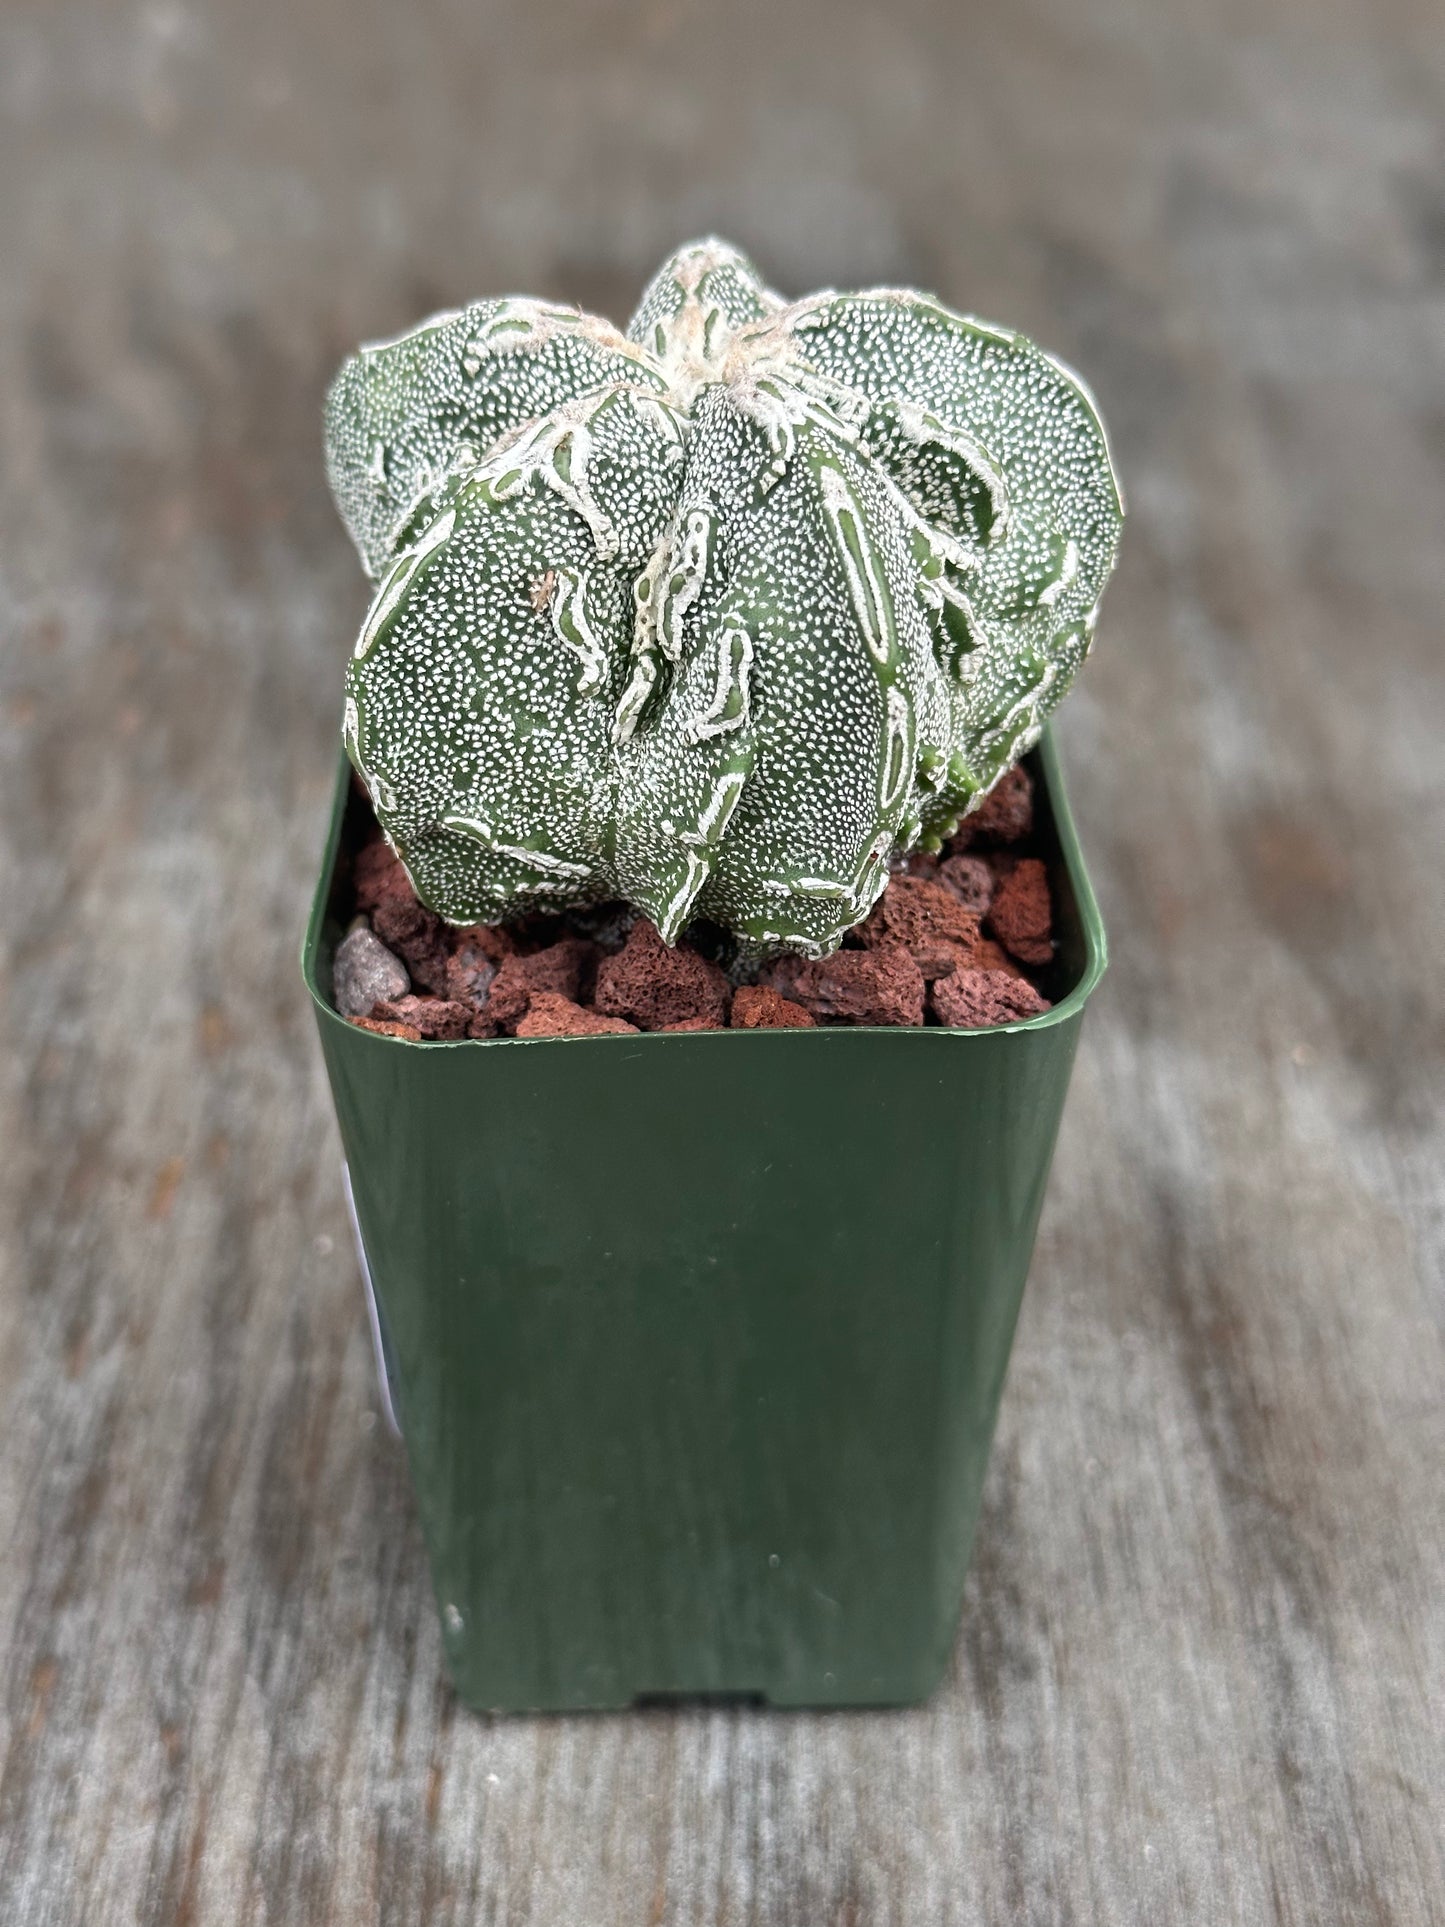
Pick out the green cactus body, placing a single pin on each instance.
(716, 616)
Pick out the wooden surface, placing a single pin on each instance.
(1199, 1677)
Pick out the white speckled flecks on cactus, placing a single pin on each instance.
(716, 616)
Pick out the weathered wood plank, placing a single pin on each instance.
(1200, 1671)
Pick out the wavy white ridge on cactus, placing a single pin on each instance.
(716, 616)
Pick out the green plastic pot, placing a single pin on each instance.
(697, 1341)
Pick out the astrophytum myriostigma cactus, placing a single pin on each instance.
(715, 616)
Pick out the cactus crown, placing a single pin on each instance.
(716, 615)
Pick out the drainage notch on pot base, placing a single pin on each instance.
(698, 1340)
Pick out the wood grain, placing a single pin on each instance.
(1199, 1676)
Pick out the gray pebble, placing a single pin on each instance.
(364, 972)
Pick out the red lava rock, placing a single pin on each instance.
(488, 979)
(876, 986)
(418, 936)
(435, 1017)
(473, 964)
(992, 956)
(655, 987)
(399, 918)
(974, 999)
(1021, 915)
(552, 1015)
(928, 920)
(970, 879)
(760, 1007)
(378, 873)
(490, 940)
(561, 968)
(382, 1028)
(1006, 814)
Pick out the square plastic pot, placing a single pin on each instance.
(697, 1341)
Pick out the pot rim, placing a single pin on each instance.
(1071, 859)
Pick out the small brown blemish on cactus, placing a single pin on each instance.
(539, 590)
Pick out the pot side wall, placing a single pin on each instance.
(699, 1339)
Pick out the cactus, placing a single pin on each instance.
(716, 616)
